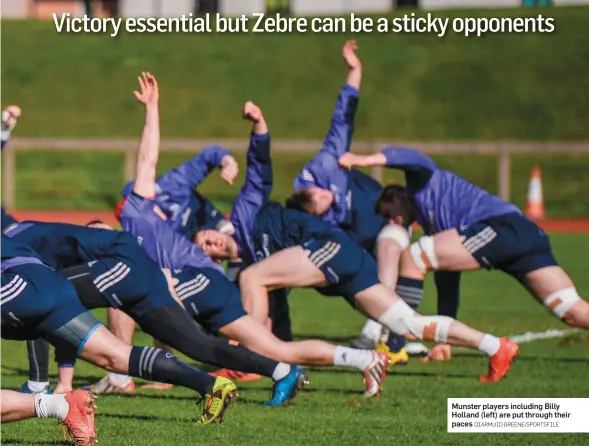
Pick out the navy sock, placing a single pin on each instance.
(395, 342)
(38, 351)
(411, 291)
(280, 315)
(157, 365)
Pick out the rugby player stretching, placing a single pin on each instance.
(468, 229)
(288, 248)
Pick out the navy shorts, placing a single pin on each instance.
(38, 302)
(349, 269)
(510, 243)
(209, 297)
(131, 281)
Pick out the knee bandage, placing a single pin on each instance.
(402, 320)
(562, 301)
(396, 233)
(424, 254)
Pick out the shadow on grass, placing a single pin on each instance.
(36, 443)
(527, 358)
(332, 339)
(164, 397)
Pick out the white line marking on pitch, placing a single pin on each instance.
(417, 348)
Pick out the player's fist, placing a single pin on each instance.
(149, 91)
(229, 169)
(442, 352)
(348, 160)
(14, 111)
(9, 116)
(349, 54)
(252, 112)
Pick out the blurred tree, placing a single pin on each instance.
(88, 8)
(275, 6)
(206, 6)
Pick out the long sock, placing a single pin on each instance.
(411, 291)
(173, 326)
(157, 365)
(280, 314)
(38, 352)
(371, 330)
(489, 345)
(280, 371)
(51, 406)
(395, 342)
(352, 357)
(118, 378)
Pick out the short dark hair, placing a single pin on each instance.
(394, 201)
(299, 200)
(95, 222)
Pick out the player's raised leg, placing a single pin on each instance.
(449, 251)
(74, 409)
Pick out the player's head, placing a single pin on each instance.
(395, 205)
(313, 200)
(215, 244)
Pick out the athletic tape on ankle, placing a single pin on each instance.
(562, 301)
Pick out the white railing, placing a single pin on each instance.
(503, 151)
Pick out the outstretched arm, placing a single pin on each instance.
(418, 167)
(258, 180)
(193, 172)
(150, 140)
(258, 177)
(339, 136)
(323, 169)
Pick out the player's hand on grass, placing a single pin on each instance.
(229, 169)
(349, 55)
(349, 160)
(442, 352)
(252, 112)
(149, 94)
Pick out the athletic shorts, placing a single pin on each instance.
(349, 269)
(510, 243)
(131, 281)
(209, 297)
(38, 302)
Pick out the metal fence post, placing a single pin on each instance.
(376, 170)
(8, 174)
(130, 163)
(504, 173)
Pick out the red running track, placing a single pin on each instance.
(571, 226)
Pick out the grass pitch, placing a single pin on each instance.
(411, 409)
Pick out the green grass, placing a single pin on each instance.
(411, 410)
(416, 87)
(93, 180)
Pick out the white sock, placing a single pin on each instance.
(384, 335)
(37, 386)
(118, 378)
(352, 357)
(489, 345)
(371, 330)
(51, 406)
(280, 371)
